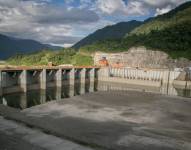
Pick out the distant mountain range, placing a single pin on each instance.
(116, 31)
(170, 32)
(10, 46)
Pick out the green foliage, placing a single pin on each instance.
(177, 16)
(80, 59)
(176, 41)
(66, 56)
(109, 32)
(170, 33)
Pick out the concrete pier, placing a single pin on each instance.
(71, 82)
(23, 80)
(30, 78)
(1, 87)
(72, 76)
(43, 96)
(58, 93)
(59, 78)
(82, 80)
(43, 79)
(92, 79)
(23, 101)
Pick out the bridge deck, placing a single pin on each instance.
(45, 67)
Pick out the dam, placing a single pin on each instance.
(92, 108)
(35, 85)
(24, 79)
(30, 78)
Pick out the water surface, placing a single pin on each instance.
(37, 97)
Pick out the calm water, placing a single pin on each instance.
(37, 97)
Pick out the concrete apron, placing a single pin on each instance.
(70, 143)
(13, 133)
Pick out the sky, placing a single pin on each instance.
(65, 22)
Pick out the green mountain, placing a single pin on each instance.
(11, 46)
(176, 16)
(170, 32)
(110, 32)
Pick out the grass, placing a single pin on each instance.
(66, 56)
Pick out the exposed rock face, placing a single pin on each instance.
(142, 57)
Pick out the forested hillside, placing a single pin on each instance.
(116, 31)
(170, 32)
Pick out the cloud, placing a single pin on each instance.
(136, 7)
(162, 6)
(110, 6)
(163, 10)
(42, 20)
(120, 7)
(67, 21)
(163, 3)
(59, 14)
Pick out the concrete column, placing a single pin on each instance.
(4, 101)
(71, 82)
(58, 93)
(72, 76)
(83, 76)
(166, 75)
(82, 80)
(43, 79)
(1, 84)
(59, 78)
(43, 96)
(23, 102)
(23, 80)
(92, 79)
(188, 84)
(103, 74)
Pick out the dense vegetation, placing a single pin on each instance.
(176, 41)
(66, 56)
(176, 16)
(170, 32)
(116, 31)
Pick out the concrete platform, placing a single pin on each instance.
(119, 120)
(15, 136)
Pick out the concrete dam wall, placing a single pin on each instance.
(151, 77)
(22, 80)
(142, 58)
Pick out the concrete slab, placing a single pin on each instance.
(114, 120)
(15, 136)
